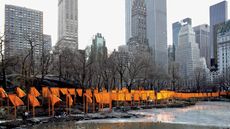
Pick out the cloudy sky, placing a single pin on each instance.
(108, 17)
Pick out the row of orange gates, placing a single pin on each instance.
(92, 98)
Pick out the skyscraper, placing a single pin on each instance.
(222, 36)
(187, 52)
(23, 28)
(218, 14)
(128, 17)
(176, 29)
(67, 24)
(138, 43)
(202, 38)
(157, 31)
(98, 48)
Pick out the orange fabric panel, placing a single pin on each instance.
(106, 98)
(79, 92)
(136, 96)
(132, 91)
(89, 99)
(54, 99)
(141, 92)
(98, 97)
(138, 92)
(55, 91)
(148, 92)
(20, 92)
(89, 93)
(120, 91)
(72, 91)
(128, 97)
(45, 92)
(15, 100)
(125, 90)
(206, 94)
(177, 95)
(70, 100)
(143, 96)
(195, 95)
(95, 91)
(121, 97)
(167, 94)
(64, 91)
(215, 94)
(200, 95)
(223, 93)
(186, 95)
(114, 96)
(114, 91)
(33, 100)
(3, 93)
(34, 91)
(152, 96)
(160, 96)
(104, 90)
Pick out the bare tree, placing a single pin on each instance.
(199, 77)
(120, 61)
(135, 67)
(173, 71)
(6, 62)
(46, 61)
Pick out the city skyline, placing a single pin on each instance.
(113, 28)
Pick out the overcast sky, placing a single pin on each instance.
(108, 17)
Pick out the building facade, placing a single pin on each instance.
(171, 53)
(202, 38)
(138, 43)
(218, 14)
(47, 42)
(23, 28)
(187, 53)
(156, 29)
(157, 32)
(98, 48)
(176, 29)
(67, 24)
(128, 17)
(223, 45)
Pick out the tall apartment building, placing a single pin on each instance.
(218, 14)
(138, 43)
(156, 29)
(128, 17)
(23, 27)
(67, 24)
(176, 29)
(222, 35)
(202, 38)
(187, 52)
